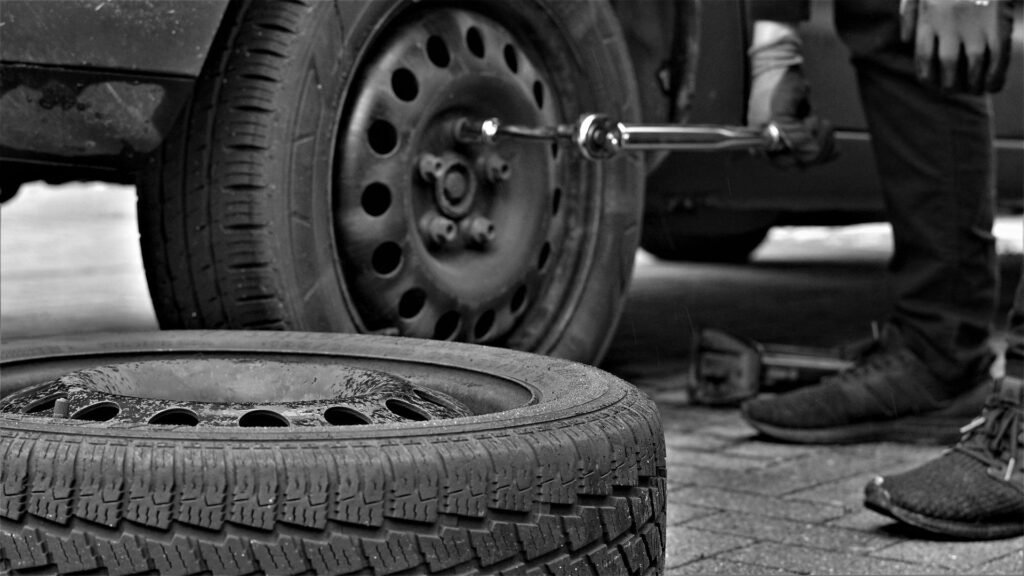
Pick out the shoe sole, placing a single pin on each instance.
(911, 430)
(941, 427)
(878, 500)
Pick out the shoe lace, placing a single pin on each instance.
(994, 438)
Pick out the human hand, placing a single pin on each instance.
(780, 95)
(959, 44)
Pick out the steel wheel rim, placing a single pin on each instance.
(432, 69)
(232, 392)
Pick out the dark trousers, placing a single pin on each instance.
(1015, 334)
(935, 157)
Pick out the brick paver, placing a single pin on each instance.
(740, 505)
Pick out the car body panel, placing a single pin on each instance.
(160, 37)
(87, 87)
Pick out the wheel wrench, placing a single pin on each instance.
(727, 369)
(598, 137)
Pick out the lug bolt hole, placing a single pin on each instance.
(43, 405)
(263, 419)
(412, 303)
(511, 58)
(405, 410)
(341, 416)
(437, 52)
(483, 325)
(99, 412)
(175, 417)
(538, 94)
(545, 253)
(382, 137)
(447, 325)
(475, 42)
(518, 299)
(376, 199)
(404, 85)
(387, 258)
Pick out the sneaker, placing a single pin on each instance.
(890, 395)
(976, 489)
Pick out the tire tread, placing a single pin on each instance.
(276, 508)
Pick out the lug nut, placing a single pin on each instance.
(430, 167)
(497, 169)
(438, 229)
(478, 231)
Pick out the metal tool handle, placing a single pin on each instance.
(598, 137)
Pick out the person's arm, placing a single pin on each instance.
(779, 93)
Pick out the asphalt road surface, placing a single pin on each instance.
(70, 262)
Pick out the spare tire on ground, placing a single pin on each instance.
(287, 453)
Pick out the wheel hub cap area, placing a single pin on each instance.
(439, 238)
(231, 393)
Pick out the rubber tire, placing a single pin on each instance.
(705, 234)
(573, 482)
(235, 208)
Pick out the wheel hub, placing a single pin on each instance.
(440, 238)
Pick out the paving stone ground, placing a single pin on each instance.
(738, 504)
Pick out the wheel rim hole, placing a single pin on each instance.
(411, 303)
(475, 42)
(376, 199)
(446, 325)
(262, 419)
(407, 411)
(518, 299)
(99, 412)
(437, 51)
(545, 253)
(483, 324)
(175, 417)
(511, 58)
(554, 150)
(42, 405)
(404, 85)
(341, 416)
(387, 258)
(428, 396)
(382, 136)
(556, 201)
(538, 94)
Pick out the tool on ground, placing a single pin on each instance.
(598, 137)
(727, 369)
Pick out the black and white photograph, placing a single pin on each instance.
(511, 287)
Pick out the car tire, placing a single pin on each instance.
(560, 469)
(705, 234)
(293, 193)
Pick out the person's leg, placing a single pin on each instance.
(1015, 334)
(935, 159)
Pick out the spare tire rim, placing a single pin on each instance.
(225, 392)
(446, 240)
